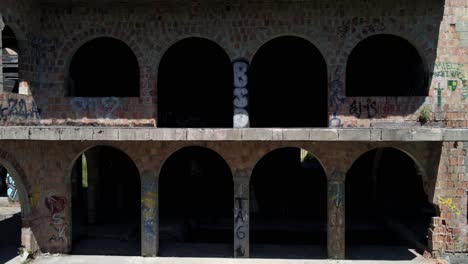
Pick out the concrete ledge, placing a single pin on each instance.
(231, 134)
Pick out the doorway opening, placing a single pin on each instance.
(106, 204)
(288, 206)
(196, 205)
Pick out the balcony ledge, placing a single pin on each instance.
(230, 134)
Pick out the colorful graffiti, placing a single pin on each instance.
(149, 209)
(449, 203)
(12, 192)
(99, 107)
(451, 76)
(56, 206)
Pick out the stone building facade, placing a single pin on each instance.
(225, 84)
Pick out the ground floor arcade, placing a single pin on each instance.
(231, 198)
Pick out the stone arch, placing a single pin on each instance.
(360, 51)
(288, 187)
(196, 199)
(133, 189)
(372, 199)
(185, 93)
(69, 48)
(305, 76)
(104, 48)
(17, 173)
(319, 45)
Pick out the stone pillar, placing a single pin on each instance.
(336, 219)
(241, 99)
(241, 217)
(149, 214)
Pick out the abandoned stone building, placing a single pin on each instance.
(217, 128)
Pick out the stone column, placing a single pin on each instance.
(336, 219)
(241, 99)
(149, 214)
(241, 217)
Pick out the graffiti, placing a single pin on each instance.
(148, 206)
(241, 101)
(337, 97)
(370, 107)
(360, 25)
(100, 107)
(56, 206)
(453, 75)
(12, 192)
(241, 218)
(439, 95)
(17, 109)
(449, 203)
(335, 122)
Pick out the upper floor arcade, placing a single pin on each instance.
(225, 65)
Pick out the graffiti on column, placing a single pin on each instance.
(99, 107)
(56, 206)
(337, 97)
(241, 218)
(148, 204)
(241, 101)
(451, 76)
(11, 188)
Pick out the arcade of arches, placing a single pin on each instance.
(284, 202)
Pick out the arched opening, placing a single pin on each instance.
(385, 65)
(104, 67)
(10, 64)
(288, 85)
(10, 216)
(196, 205)
(288, 206)
(195, 86)
(105, 203)
(387, 210)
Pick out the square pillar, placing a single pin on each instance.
(336, 220)
(149, 215)
(241, 99)
(241, 217)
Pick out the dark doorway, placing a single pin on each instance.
(195, 86)
(106, 203)
(386, 206)
(196, 205)
(288, 206)
(10, 62)
(385, 65)
(288, 85)
(104, 67)
(10, 217)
